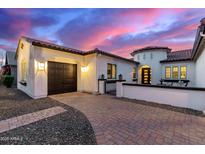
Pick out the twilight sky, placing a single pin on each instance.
(115, 30)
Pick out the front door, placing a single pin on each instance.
(146, 76)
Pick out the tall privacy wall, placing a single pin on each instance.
(193, 98)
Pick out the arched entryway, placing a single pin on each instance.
(145, 72)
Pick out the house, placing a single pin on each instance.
(2, 57)
(10, 62)
(46, 68)
(9, 65)
(157, 63)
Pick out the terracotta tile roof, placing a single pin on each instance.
(109, 54)
(149, 48)
(53, 46)
(181, 55)
(49, 45)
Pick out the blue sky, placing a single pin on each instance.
(114, 30)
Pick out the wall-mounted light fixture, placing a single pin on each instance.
(84, 68)
(41, 66)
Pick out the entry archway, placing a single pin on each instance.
(145, 74)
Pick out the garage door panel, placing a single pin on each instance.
(62, 77)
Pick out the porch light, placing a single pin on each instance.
(84, 68)
(41, 66)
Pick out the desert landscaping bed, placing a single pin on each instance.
(70, 127)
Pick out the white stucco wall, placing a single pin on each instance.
(154, 63)
(26, 54)
(190, 70)
(86, 81)
(90, 82)
(123, 67)
(200, 73)
(192, 99)
(37, 80)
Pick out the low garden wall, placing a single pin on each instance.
(193, 98)
(105, 85)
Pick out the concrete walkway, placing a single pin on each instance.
(15, 122)
(121, 122)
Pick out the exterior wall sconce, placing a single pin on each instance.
(41, 66)
(84, 68)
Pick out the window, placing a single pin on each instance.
(134, 73)
(167, 72)
(175, 72)
(111, 71)
(23, 70)
(183, 71)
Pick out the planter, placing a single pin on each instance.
(120, 77)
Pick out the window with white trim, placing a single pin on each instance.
(183, 72)
(167, 72)
(175, 72)
(111, 71)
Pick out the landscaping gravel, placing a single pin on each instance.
(70, 127)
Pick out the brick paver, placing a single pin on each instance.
(121, 122)
(15, 122)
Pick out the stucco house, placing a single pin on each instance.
(185, 66)
(45, 68)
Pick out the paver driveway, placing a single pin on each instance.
(117, 121)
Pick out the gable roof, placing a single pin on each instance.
(150, 48)
(10, 58)
(53, 46)
(181, 55)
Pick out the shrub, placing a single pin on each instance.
(8, 80)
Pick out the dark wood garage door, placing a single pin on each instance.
(62, 78)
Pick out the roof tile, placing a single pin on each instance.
(181, 55)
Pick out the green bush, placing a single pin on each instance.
(8, 80)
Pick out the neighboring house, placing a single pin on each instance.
(158, 63)
(45, 68)
(2, 57)
(10, 65)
